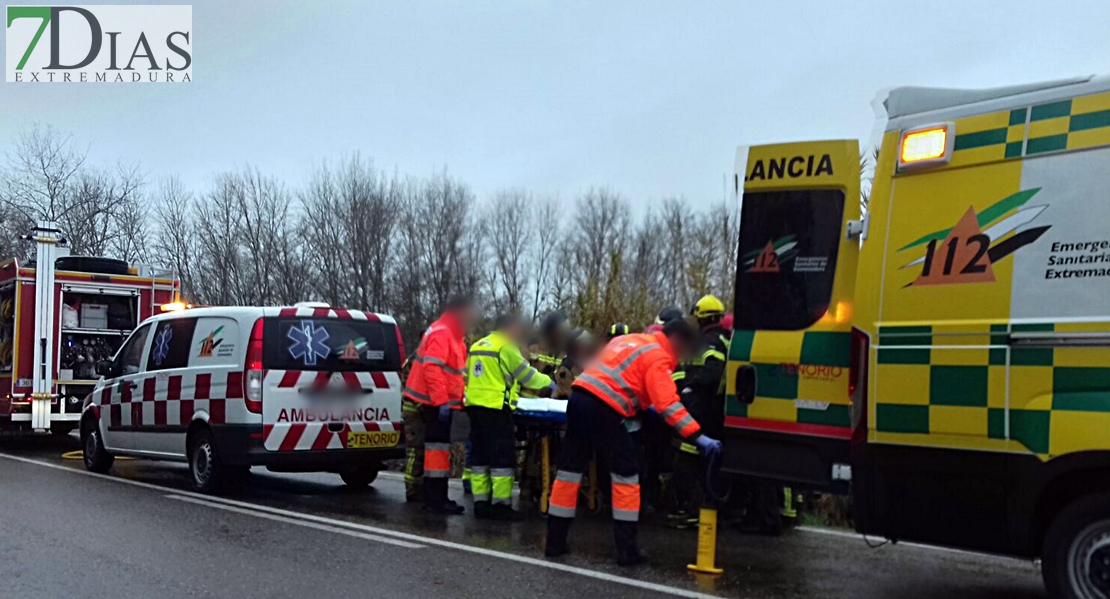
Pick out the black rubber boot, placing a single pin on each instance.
(504, 512)
(628, 549)
(482, 510)
(557, 531)
(435, 498)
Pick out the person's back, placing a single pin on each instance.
(632, 373)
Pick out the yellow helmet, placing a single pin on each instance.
(707, 307)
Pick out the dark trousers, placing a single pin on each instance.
(592, 426)
(493, 455)
(686, 479)
(414, 450)
(437, 455)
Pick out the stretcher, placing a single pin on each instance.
(540, 422)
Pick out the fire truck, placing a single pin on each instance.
(57, 319)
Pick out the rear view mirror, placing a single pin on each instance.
(104, 368)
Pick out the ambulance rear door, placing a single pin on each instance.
(331, 380)
(788, 413)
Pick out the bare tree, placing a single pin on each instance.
(40, 172)
(548, 217)
(511, 231)
(176, 240)
(369, 209)
(106, 213)
(602, 219)
(444, 214)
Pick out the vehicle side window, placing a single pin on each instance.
(787, 264)
(171, 342)
(130, 356)
(214, 342)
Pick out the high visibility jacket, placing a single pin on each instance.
(496, 370)
(633, 373)
(545, 360)
(705, 369)
(702, 389)
(439, 368)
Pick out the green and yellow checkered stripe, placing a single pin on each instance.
(928, 384)
(777, 387)
(1081, 122)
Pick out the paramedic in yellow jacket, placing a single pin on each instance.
(496, 371)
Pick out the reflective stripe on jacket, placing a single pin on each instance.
(496, 370)
(438, 370)
(633, 373)
(545, 360)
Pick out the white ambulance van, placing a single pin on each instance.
(297, 389)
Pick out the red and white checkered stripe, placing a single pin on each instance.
(162, 399)
(340, 313)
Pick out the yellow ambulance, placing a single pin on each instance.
(943, 353)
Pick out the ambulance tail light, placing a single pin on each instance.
(252, 370)
(857, 385)
(925, 147)
(400, 344)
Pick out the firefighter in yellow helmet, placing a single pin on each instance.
(702, 394)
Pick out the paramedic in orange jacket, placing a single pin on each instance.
(436, 382)
(632, 374)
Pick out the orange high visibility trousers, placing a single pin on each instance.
(593, 426)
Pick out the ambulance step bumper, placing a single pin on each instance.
(241, 445)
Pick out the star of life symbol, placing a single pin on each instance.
(478, 369)
(308, 343)
(162, 345)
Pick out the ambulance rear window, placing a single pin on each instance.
(787, 259)
(330, 345)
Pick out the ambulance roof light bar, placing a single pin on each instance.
(926, 147)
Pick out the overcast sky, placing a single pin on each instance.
(648, 98)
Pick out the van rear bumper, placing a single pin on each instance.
(241, 445)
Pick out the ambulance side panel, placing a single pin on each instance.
(985, 292)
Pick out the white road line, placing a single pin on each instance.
(859, 537)
(296, 522)
(520, 559)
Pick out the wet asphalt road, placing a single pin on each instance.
(64, 534)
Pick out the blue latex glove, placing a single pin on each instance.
(445, 413)
(708, 446)
(551, 387)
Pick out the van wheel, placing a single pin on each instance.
(97, 459)
(359, 478)
(206, 474)
(1076, 556)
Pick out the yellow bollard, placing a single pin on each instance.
(545, 445)
(707, 544)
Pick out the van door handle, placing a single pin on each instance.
(132, 385)
(745, 384)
